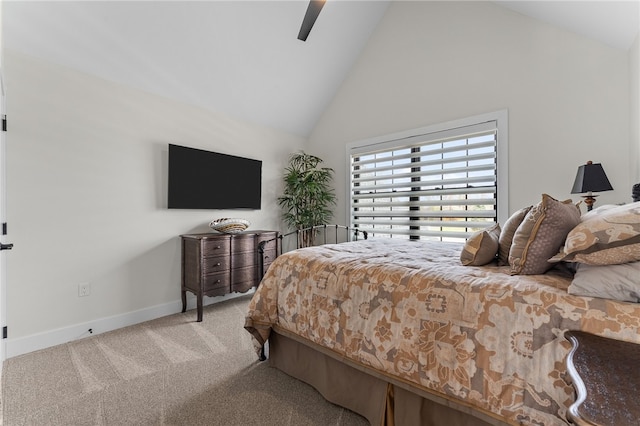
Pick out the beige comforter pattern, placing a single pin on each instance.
(411, 310)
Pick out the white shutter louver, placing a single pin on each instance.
(440, 185)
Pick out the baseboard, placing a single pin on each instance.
(35, 342)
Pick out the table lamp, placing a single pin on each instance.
(590, 178)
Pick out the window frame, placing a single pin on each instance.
(399, 139)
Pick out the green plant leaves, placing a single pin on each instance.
(308, 193)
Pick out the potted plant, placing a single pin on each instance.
(308, 195)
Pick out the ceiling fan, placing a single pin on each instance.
(313, 10)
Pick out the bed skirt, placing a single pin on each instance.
(380, 399)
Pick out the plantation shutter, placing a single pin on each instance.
(439, 186)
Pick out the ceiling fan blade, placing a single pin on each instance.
(313, 10)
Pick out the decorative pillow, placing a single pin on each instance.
(541, 234)
(606, 230)
(618, 282)
(507, 233)
(597, 211)
(481, 247)
(611, 256)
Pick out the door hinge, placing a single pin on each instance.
(4, 332)
(4, 228)
(4, 123)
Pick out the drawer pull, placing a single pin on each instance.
(218, 264)
(218, 247)
(217, 281)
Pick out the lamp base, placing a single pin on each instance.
(589, 200)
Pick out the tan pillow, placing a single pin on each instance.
(481, 247)
(610, 231)
(507, 233)
(541, 234)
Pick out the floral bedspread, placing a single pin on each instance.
(410, 309)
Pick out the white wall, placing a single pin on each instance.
(87, 194)
(433, 62)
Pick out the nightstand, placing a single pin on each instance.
(606, 376)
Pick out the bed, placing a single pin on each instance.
(403, 333)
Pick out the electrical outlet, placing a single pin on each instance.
(84, 289)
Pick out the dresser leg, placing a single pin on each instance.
(184, 300)
(199, 307)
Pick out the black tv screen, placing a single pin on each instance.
(201, 179)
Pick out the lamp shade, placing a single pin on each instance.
(591, 178)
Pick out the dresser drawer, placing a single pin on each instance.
(269, 256)
(242, 279)
(217, 247)
(244, 260)
(244, 274)
(270, 239)
(218, 281)
(243, 243)
(215, 264)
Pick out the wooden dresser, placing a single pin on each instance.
(606, 375)
(215, 264)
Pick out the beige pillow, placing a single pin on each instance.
(613, 231)
(541, 234)
(507, 233)
(481, 247)
(618, 282)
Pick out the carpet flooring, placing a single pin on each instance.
(169, 371)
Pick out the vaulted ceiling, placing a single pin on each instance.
(615, 23)
(243, 58)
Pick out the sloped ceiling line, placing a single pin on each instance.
(242, 58)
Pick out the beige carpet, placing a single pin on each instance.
(170, 371)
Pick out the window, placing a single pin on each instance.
(437, 183)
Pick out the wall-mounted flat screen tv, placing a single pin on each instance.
(201, 179)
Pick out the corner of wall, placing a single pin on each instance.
(634, 110)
